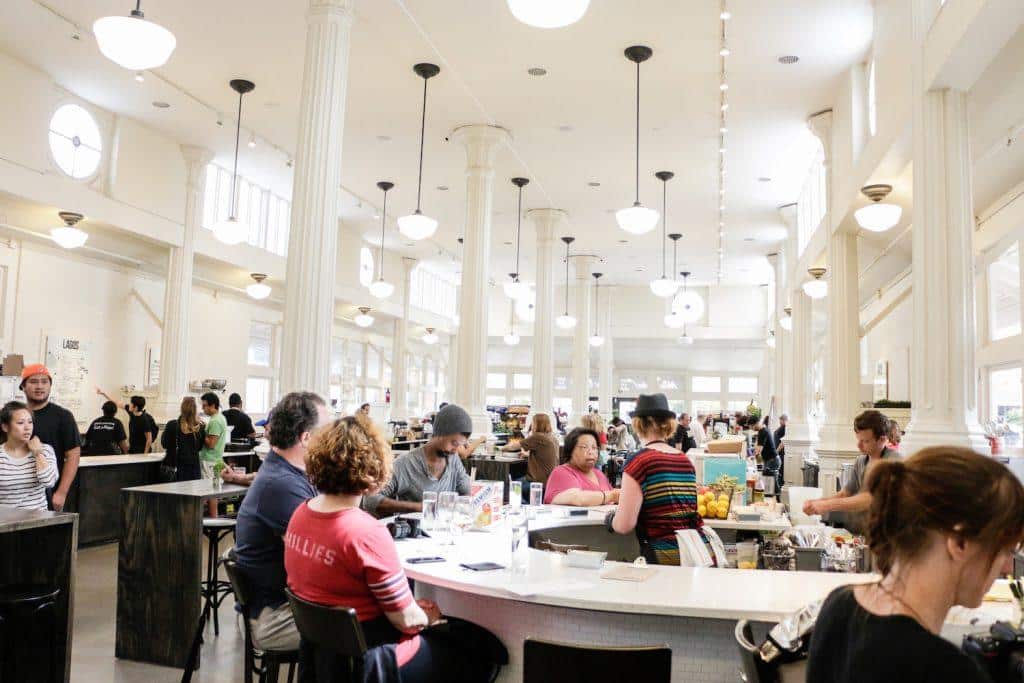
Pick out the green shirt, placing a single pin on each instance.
(217, 426)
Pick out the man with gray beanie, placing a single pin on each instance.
(434, 466)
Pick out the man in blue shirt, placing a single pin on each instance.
(280, 486)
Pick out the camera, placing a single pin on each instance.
(1000, 652)
(404, 527)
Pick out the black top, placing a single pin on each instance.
(851, 645)
(241, 423)
(682, 439)
(182, 449)
(138, 427)
(767, 444)
(104, 437)
(780, 433)
(56, 427)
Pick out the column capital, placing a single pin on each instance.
(787, 212)
(196, 160)
(583, 265)
(820, 124)
(546, 221)
(482, 141)
(408, 263)
(331, 9)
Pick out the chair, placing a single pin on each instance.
(28, 632)
(756, 670)
(545, 661)
(266, 663)
(332, 633)
(215, 529)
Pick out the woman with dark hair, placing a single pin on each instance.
(182, 440)
(27, 466)
(942, 525)
(577, 481)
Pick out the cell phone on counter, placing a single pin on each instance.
(424, 560)
(482, 566)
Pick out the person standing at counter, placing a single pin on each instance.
(183, 440)
(682, 438)
(215, 438)
(280, 486)
(659, 485)
(780, 434)
(697, 429)
(105, 435)
(578, 481)
(942, 526)
(764, 447)
(142, 429)
(240, 423)
(55, 426)
(28, 467)
(434, 466)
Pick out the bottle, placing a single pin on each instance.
(387, 395)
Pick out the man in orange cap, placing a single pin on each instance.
(55, 426)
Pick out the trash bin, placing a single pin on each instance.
(810, 471)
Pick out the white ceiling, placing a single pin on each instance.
(484, 54)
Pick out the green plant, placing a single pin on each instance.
(886, 403)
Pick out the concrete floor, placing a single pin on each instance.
(92, 654)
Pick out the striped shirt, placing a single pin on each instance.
(669, 485)
(21, 484)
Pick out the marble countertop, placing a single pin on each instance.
(198, 488)
(106, 460)
(16, 519)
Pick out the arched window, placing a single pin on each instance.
(75, 141)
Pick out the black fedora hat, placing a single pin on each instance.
(652, 405)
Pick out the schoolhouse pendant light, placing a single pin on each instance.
(637, 219)
(258, 289)
(430, 337)
(364, 319)
(566, 321)
(685, 339)
(688, 303)
(67, 235)
(770, 341)
(548, 13)
(877, 216)
(231, 230)
(816, 288)
(514, 289)
(417, 226)
(786, 321)
(511, 338)
(596, 339)
(380, 287)
(664, 286)
(132, 41)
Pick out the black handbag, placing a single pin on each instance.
(169, 470)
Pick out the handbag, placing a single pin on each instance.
(169, 471)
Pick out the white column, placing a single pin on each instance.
(943, 382)
(606, 356)
(313, 237)
(482, 143)
(399, 350)
(801, 433)
(175, 334)
(781, 366)
(549, 223)
(584, 266)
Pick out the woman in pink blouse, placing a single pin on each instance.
(578, 481)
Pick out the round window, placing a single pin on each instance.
(75, 141)
(365, 267)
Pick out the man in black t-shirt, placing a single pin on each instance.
(765, 447)
(240, 423)
(55, 426)
(142, 428)
(105, 435)
(683, 437)
(780, 434)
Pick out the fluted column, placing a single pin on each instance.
(175, 334)
(482, 143)
(782, 343)
(549, 223)
(606, 355)
(584, 266)
(399, 350)
(943, 386)
(313, 236)
(801, 433)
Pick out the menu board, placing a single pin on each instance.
(68, 360)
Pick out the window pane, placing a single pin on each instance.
(520, 400)
(561, 383)
(707, 407)
(372, 394)
(521, 381)
(738, 406)
(354, 361)
(257, 394)
(668, 383)
(706, 385)
(372, 362)
(1004, 294)
(496, 400)
(677, 407)
(742, 385)
(260, 342)
(337, 357)
(1005, 404)
(495, 380)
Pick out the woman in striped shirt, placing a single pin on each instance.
(27, 466)
(659, 485)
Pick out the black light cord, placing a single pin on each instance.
(637, 200)
(519, 229)
(383, 219)
(423, 128)
(566, 278)
(234, 174)
(664, 229)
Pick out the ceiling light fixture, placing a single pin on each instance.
(67, 235)
(878, 216)
(566, 321)
(430, 337)
(788, 59)
(133, 42)
(770, 341)
(252, 140)
(786, 321)
(258, 289)
(514, 288)
(380, 287)
(637, 219)
(548, 13)
(816, 288)
(230, 230)
(685, 339)
(664, 286)
(511, 338)
(139, 77)
(364, 319)
(596, 339)
(417, 226)
(688, 303)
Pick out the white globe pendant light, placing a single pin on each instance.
(665, 286)
(68, 236)
(548, 13)
(689, 305)
(877, 216)
(511, 339)
(430, 337)
(514, 289)
(786, 321)
(258, 289)
(380, 287)
(596, 339)
(637, 219)
(364, 319)
(133, 42)
(566, 321)
(816, 288)
(231, 231)
(417, 226)
(770, 341)
(685, 339)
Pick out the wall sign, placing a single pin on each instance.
(68, 360)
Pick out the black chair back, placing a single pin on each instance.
(334, 629)
(545, 661)
(239, 584)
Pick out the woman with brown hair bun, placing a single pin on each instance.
(942, 526)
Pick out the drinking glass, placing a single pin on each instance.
(462, 519)
(429, 511)
(536, 497)
(515, 495)
(445, 513)
(517, 522)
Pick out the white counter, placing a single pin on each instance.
(108, 460)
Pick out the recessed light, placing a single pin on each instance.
(723, 87)
(725, 52)
(565, 128)
(507, 243)
(623, 241)
(764, 179)
(537, 71)
(788, 59)
(160, 104)
(725, 16)
(748, 239)
(384, 138)
(442, 188)
(594, 183)
(139, 76)
(271, 105)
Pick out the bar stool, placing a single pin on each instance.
(28, 632)
(333, 642)
(214, 590)
(265, 663)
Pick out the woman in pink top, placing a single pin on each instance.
(578, 481)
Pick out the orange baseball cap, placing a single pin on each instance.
(34, 369)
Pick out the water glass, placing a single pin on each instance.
(463, 518)
(429, 511)
(515, 495)
(536, 498)
(446, 512)
(517, 522)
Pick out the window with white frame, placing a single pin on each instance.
(743, 385)
(496, 399)
(372, 362)
(703, 407)
(668, 383)
(812, 204)
(705, 385)
(267, 215)
(261, 344)
(432, 292)
(496, 380)
(337, 357)
(75, 141)
(738, 406)
(872, 100)
(522, 381)
(1005, 403)
(354, 359)
(561, 383)
(1004, 294)
(257, 394)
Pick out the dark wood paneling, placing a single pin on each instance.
(99, 497)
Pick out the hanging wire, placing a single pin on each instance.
(234, 173)
(383, 218)
(423, 129)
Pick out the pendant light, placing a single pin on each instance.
(514, 289)
(673, 320)
(548, 13)
(664, 286)
(430, 337)
(637, 219)
(133, 42)
(786, 322)
(511, 338)
(770, 341)
(877, 216)
(364, 319)
(380, 287)
(417, 226)
(685, 339)
(596, 339)
(231, 231)
(258, 289)
(816, 288)
(688, 303)
(67, 235)
(566, 321)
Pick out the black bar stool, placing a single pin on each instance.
(266, 663)
(214, 589)
(28, 633)
(332, 639)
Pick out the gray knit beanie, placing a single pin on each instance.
(452, 420)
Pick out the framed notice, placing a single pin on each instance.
(881, 381)
(68, 360)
